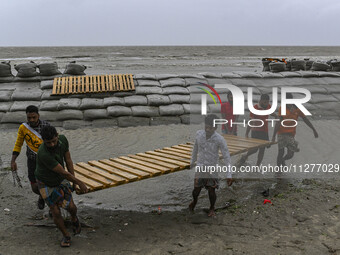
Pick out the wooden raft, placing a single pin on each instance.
(92, 84)
(106, 173)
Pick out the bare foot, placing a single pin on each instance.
(192, 206)
(212, 213)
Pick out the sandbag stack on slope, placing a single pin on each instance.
(48, 69)
(26, 70)
(5, 69)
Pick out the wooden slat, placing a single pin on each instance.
(172, 161)
(130, 170)
(109, 176)
(177, 150)
(120, 82)
(87, 82)
(114, 80)
(124, 174)
(147, 164)
(166, 154)
(137, 166)
(125, 85)
(110, 83)
(95, 83)
(91, 175)
(88, 182)
(181, 148)
(63, 85)
(113, 171)
(102, 87)
(132, 83)
(177, 154)
(70, 85)
(128, 85)
(186, 146)
(55, 82)
(157, 162)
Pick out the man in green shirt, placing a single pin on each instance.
(52, 180)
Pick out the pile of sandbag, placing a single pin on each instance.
(281, 65)
(31, 69)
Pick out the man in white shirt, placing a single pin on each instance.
(205, 156)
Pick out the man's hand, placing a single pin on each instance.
(14, 166)
(83, 188)
(316, 135)
(229, 181)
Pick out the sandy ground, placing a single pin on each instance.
(304, 217)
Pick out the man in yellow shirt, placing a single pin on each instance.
(30, 133)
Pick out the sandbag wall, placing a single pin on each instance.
(158, 99)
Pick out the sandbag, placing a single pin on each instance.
(277, 67)
(297, 65)
(320, 66)
(48, 69)
(5, 69)
(26, 70)
(335, 66)
(265, 64)
(309, 64)
(75, 69)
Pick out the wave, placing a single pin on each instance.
(28, 58)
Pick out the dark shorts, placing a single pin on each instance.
(206, 182)
(260, 135)
(31, 168)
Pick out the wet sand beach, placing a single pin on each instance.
(304, 217)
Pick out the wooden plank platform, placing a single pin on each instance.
(92, 84)
(106, 173)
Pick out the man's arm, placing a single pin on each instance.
(194, 154)
(68, 176)
(17, 148)
(69, 162)
(309, 124)
(248, 128)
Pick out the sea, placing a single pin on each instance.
(164, 59)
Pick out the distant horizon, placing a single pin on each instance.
(161, 45)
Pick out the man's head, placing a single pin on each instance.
(209, 124)
(50, 136)
(230, 97)
(32, 114)
(264, 101)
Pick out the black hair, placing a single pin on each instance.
(264, 97)
(209, 120)
(31, 109)
(289, 96)
(48, 133)
(229, 93)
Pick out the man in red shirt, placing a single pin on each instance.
(260, 129)
(227, 114)
(286, 134)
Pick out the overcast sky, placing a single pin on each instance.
(169, 22)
